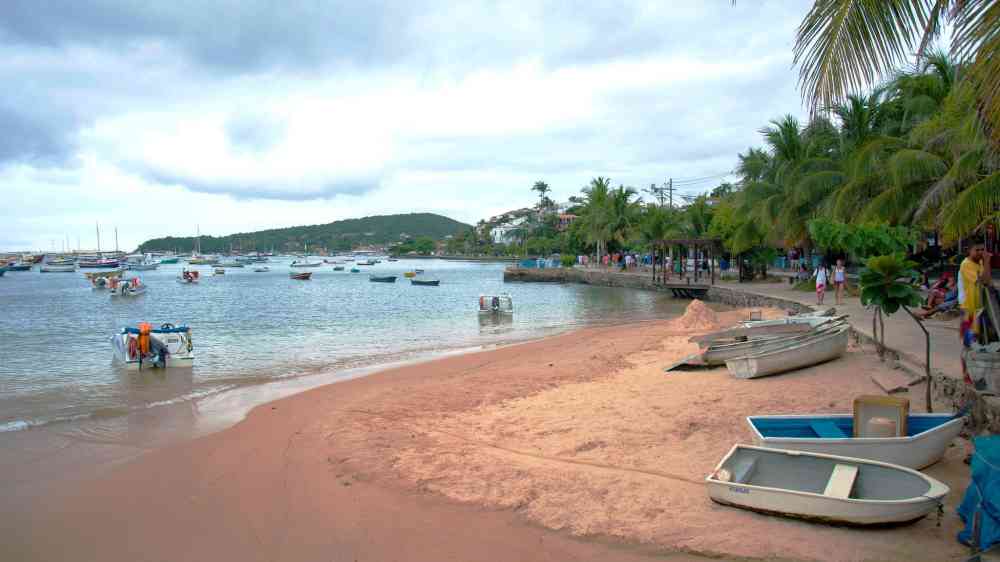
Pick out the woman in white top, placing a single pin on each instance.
(840, 280)
(821, 275)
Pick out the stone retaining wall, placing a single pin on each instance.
(985, 414)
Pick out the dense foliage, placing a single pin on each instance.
(335, 236)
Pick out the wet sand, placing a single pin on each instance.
(576, 447)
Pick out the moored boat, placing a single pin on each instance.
(50, 268)
(169, 259)
(100, 279)
(121, 287)
(306, 263)
(496, 304)
(101, 263)
(382, 278)
(426, 282)
(410, 274)
(18, 266)
(188, 277)
(824, 488)
(355, 270)
(300, 275)
(146, 347)
(219, 271)
(811, 351)
(261, 269)
(927, 437)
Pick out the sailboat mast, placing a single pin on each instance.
(116, 239)
(98, 238)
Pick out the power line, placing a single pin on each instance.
(691, 181)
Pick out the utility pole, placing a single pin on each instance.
(670, 189)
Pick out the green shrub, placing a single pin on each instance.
(567, 260)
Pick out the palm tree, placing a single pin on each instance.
(846, 46)
(595, 220)
(543, 190)
(622, 213)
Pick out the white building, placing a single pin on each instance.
(508, 232)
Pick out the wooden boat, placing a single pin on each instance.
(382, 278)
(927, 437)
(98, 263)
(297, 263)
(126, 287)
(733, 335)
(718, 354)
(426, 282)
(410, 274)
(822, 347)
(49, 268)
(824, 488)
(813, 321)
(146, 347)
(301, 276)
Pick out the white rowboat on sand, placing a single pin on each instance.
(823, 347)
(825, 488)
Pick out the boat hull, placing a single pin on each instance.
(57, 269)
(916, 494)
(180, 356)
(913, 451)
(818, 349)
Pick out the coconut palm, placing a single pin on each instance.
(849, 46)
(595, 219)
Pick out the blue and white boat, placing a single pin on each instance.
(927, 437)
(146, 347)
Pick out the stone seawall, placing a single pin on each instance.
(985, 413)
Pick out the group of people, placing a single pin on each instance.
(825, 275)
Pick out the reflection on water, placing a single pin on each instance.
(250, 328)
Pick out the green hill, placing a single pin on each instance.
(338, 235)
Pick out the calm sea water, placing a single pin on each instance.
(253, 328)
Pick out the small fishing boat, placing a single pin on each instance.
(100, 279)
(927, 437)
(382, 278)
(813, 321)
(202, 260)
(496, 304)
(261, 269)
(146, 347)
(338, 268)
(169, 259)
(50, 268)
(144, 266)
(61, 261)
(410, 274)
(307, 263)
(355, 270)
(219, 271)
(188, 277)
(426, 282)
(231, 264)
(418, 271)
(810, 351)
(393, 259)
(3, 269)
(119, 287)
(301, 276)
(364, 262)
(18, 266)
(824, 488)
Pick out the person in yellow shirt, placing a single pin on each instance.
(971, 274)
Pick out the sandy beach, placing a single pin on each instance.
(574, 447)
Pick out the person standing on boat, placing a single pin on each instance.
(840, 280)
(822, 276)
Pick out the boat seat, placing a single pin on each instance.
(841, 481)
(743, 470)
(827, 430)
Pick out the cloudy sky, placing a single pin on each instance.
(236, 115)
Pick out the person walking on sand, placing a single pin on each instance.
(840, 280)
(821, 274)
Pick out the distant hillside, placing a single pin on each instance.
(338, 235)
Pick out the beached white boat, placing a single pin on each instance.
(811, 351)
(825, 488)
(146, 347)
(496, 304)
(718, 354)
(927, 437)
(813, 321)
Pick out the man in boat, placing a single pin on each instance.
(971, 276)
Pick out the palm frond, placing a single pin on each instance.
(816, 187)
(909, 166)
(973, 207)
(849, 45)
(962, 172)
(976, 37)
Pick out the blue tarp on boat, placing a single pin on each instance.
(980, 508)
(175, 330)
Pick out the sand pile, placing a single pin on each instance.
(698, 317)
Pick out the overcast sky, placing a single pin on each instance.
(237, 115)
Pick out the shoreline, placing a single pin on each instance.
(370, 468)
